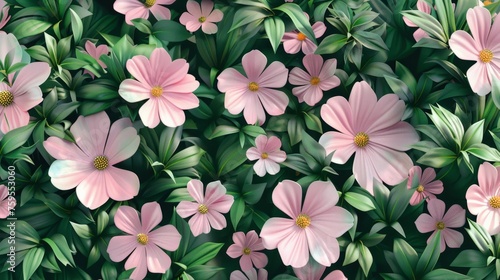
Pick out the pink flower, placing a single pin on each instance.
(142, 242)
(9, 202)
(96, 53)
(88, 163)
(201, 16)
(484, 200)
(10, 50)
(208, 208)
(318, 78)
(165, 83)
(249, 275)
(140, 9)
(268, 154)
(336, 275)
(252, 93)
(4, 13)
(246, 247)
(374, 131)
(439, 221)
(313, 227)
(483, 46)
(419, 33)
(24, 94)
(427, 188)
(294, 41)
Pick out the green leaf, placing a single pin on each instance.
(252, 193)
(223, 130)
(248, 15)
(201, 254)
(430, 255)
(351, 253)
(30, 27)
(237, 210)
(61, 249)
(495, 92)
(331, 44)
(441, 273)
(469, 258)
(446, 15)
(484, 152)
(399, 88)
(203, 271)
(169, 141)
(16, 138)
(32, 261)
(186, 158)
(480, 237)
(83, 231)
(365, 259)
(406, 257)
(473, 135)
(359, 201)
(438, 157)
(76, 26)
(170, 31)
(428, 23)
(313, 122)
(229, 156)
(370, 40)
(108, 271)
(299, 19)
(142, 25)
(275, 28)
(179, 195)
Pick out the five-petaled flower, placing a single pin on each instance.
(294, 41)
(268, 155)
(246, 247)
(427, 188)
(133, 9)
(201, 16)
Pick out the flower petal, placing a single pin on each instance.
(151, 216)
(287, 196)
(30, 76)
(149, 113)
(340, 144)
(167, 237)
(127, 219)
(254, 63)
(67, 174)
(158, 261)
(479, 20)
(464, 46)
(121, 185)
(121, 246)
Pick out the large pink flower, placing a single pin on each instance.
(294, 41)
(419, 33)
(88, 163)
(484, 200)
(7, 202)
(165, 83)
(140, 9)
(483, 46)
(374, 131)
(143, 242)
(268, 154)
(249, 275)
(4, 13)
(252, 93)
(313, 227)
(318, 78)
(427, 188)
(208, 207)
(246, 247)
(439, 221)
(24, 94)
(96, 53)
(201, 16)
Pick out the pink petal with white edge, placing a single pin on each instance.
(260, 168)
(167, 237)
(254, 62)
(149, 113)
(479, 79)
(398, 137)
(294, 249)
(337, 113)
(274, 101)
(127, 219)
(133, 91)
(214, 192)
(140, 67)
(453, 238)
(464, 46)
(425, 223)
(277, 156)
(391, 166)
(323, 248)
(151, 216)
(253, 111)
(287, 196)
(253, 154)
(121, 246)
(90, 133)
(158, 261)
(92, 190)
(184, 101)
(341, 145)
(160, 12)
(29, 99)
(123, 6)
(387, 112)
(13, 117)
(67, 174)
(222, 204)
(454, 217)
(216, 219)
(27, 79)
(321, 197)
(187, 208)
(170, 115)
(490, 220)
(139, 12)
(477, 201)
(275, 76)
(195, 189)
(364, 170)
(275, 230)
(138, 260)
(121, 185)
(271, 167)
(62, 149)
(479, 20)
(209, 28)
(199, 224)
(487, 177)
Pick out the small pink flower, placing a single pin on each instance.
(313, 227)
(4, 13)
(208, 208)
(419, 33)
(88, 163)
(95, 52)
(374, 131)
(268, 154)
(201, 16)
(9, 202)
(482, 46)
(246, 247)
(318, 78)
(336, 275)
(23, 94)
(427, 188)
(133, 9)
(143, 242)
(253, 93)
(294, 41)
(249, 275)
(483, 200)
(165, 83)
(439, 221)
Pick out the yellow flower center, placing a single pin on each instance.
(487, 2)
(142, 238)
(495, 202)
(264, 155)
(253, 86)
(149, 3)
(440, 225)
(202, 19)
(314, 81)
(420, 189)
(6, 98)
(485, 55)
(301, 36)
(101, 162)
(247, 251)
(361, 139)
(303, 221)
(156, 91)
(203, 209)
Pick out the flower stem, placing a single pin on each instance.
(482, 105)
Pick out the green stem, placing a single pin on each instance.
(482, 105)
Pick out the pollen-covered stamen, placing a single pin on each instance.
(6, 98)
(440, 225)
(156, 91)
(420, 189)
(314, 81)
(149, 3)
(487, 2)
(303, 221)
(253, 86)
(301, 36)
(247, 251)
(101, 162)
(203, 209)
(202, 19)
(264, 155)
(142, 238)
(485, 55)
(361, 139)
(495, 202)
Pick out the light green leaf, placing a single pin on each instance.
(275, 28)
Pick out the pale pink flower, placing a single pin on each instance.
(295, 40)
(133, 9)
(143, 242)
(318, 78)
(253, 93)
(4, 13)
(249, 275)
(208, 207)
(246, 247)
(10, 50)
(483, 46)
(9, 202)
(313, 271)
(201, 16)
(336, 275)
(165, 83)
(427, 188)
(21, 95)
(483, 200)
(374, 131)
(419, 33)
(313, 227)
(95, 52)
(439, 221)
(268, 154)
(88, 163)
